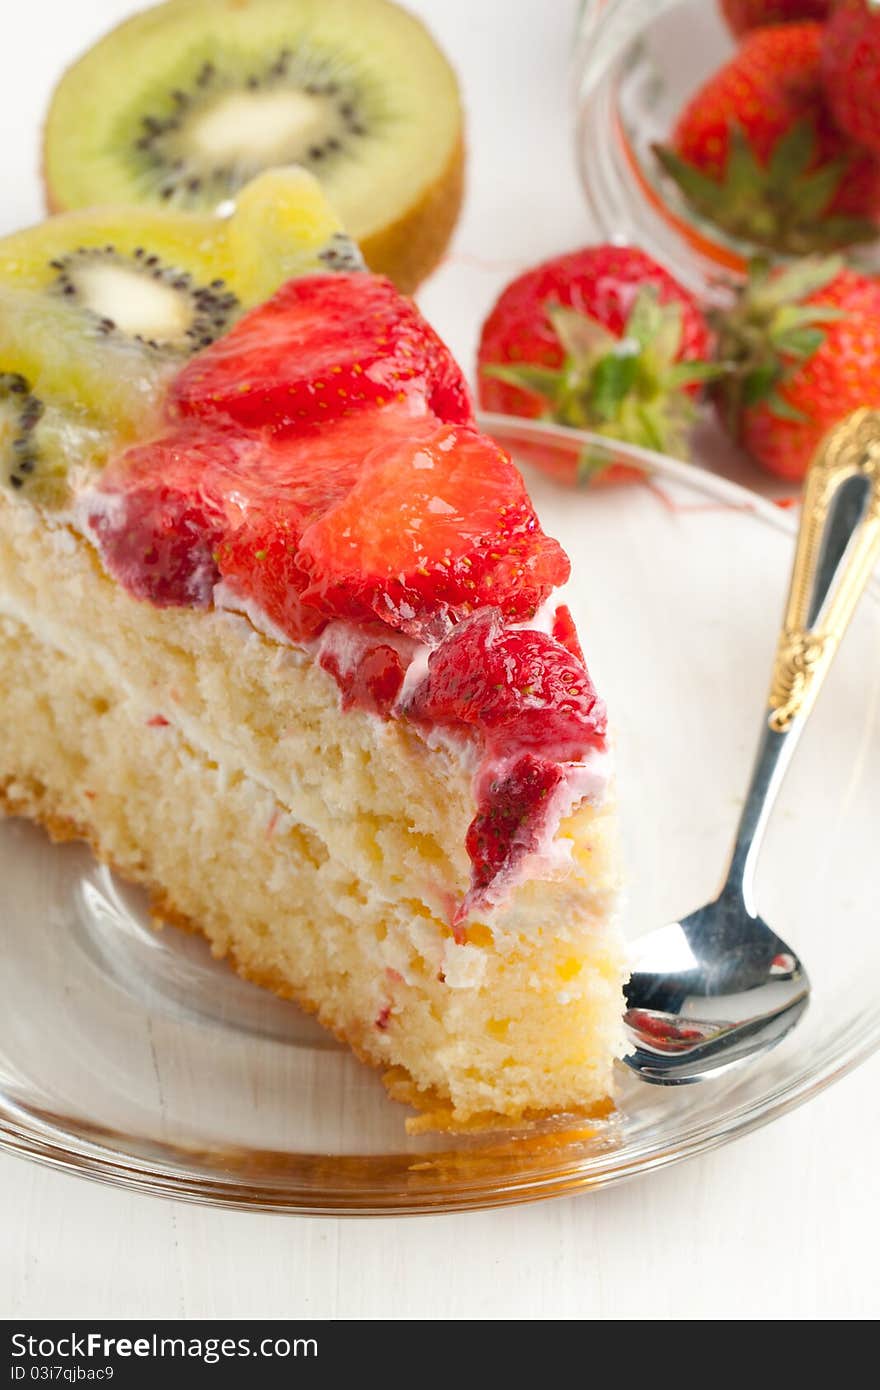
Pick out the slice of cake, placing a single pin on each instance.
(278, 637)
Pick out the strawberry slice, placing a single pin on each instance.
(292, 483)
(163, 512)
(565, 632)
(378, 516)
(368, 669)
(324, 346)
(509, 821)
(533, 706)
(438, 524)
(158, 517)
(522, 689)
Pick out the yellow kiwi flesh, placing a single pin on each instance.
(71, 289)
(182, 104)
(280, 224)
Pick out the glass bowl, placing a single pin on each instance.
(637, 63)
(133, 1057)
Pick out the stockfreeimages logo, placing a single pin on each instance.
(94, 1346)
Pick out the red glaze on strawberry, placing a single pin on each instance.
(258, 561)
(383, 517)
(522, 690)
(324, 346)
(295, 482)
(166, 512)
(158, 520)
(384, 512)
(436, 525)
(533, 707)
(511, 820)
(368, 670)
(375, 682)
(565, 632)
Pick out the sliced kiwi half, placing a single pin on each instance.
(98, 309)
(182, 105)
(37, 441)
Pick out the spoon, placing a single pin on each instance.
(720, 986)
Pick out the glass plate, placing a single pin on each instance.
(133, 1057)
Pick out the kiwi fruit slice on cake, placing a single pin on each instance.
(36, 441)
(123, 262)
(183, 104)
(99, 308)
(66, 356)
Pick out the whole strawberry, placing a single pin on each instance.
(743, 15)
(602, 339)
(803, 347)
(757, 152)
(851, 69)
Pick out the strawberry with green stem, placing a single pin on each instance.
(602, 339)
(802, 347)
(757, 153)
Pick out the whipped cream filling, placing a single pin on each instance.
(586, 780)
(226, 600)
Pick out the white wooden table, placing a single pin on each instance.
(784, 1223)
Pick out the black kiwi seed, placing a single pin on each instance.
(342, 254)
(26, 411)
(211, 307)
(168, 161)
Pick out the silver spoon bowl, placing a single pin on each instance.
(719, 986)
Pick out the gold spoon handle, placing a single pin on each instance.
(826, 588)
(837, 547)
